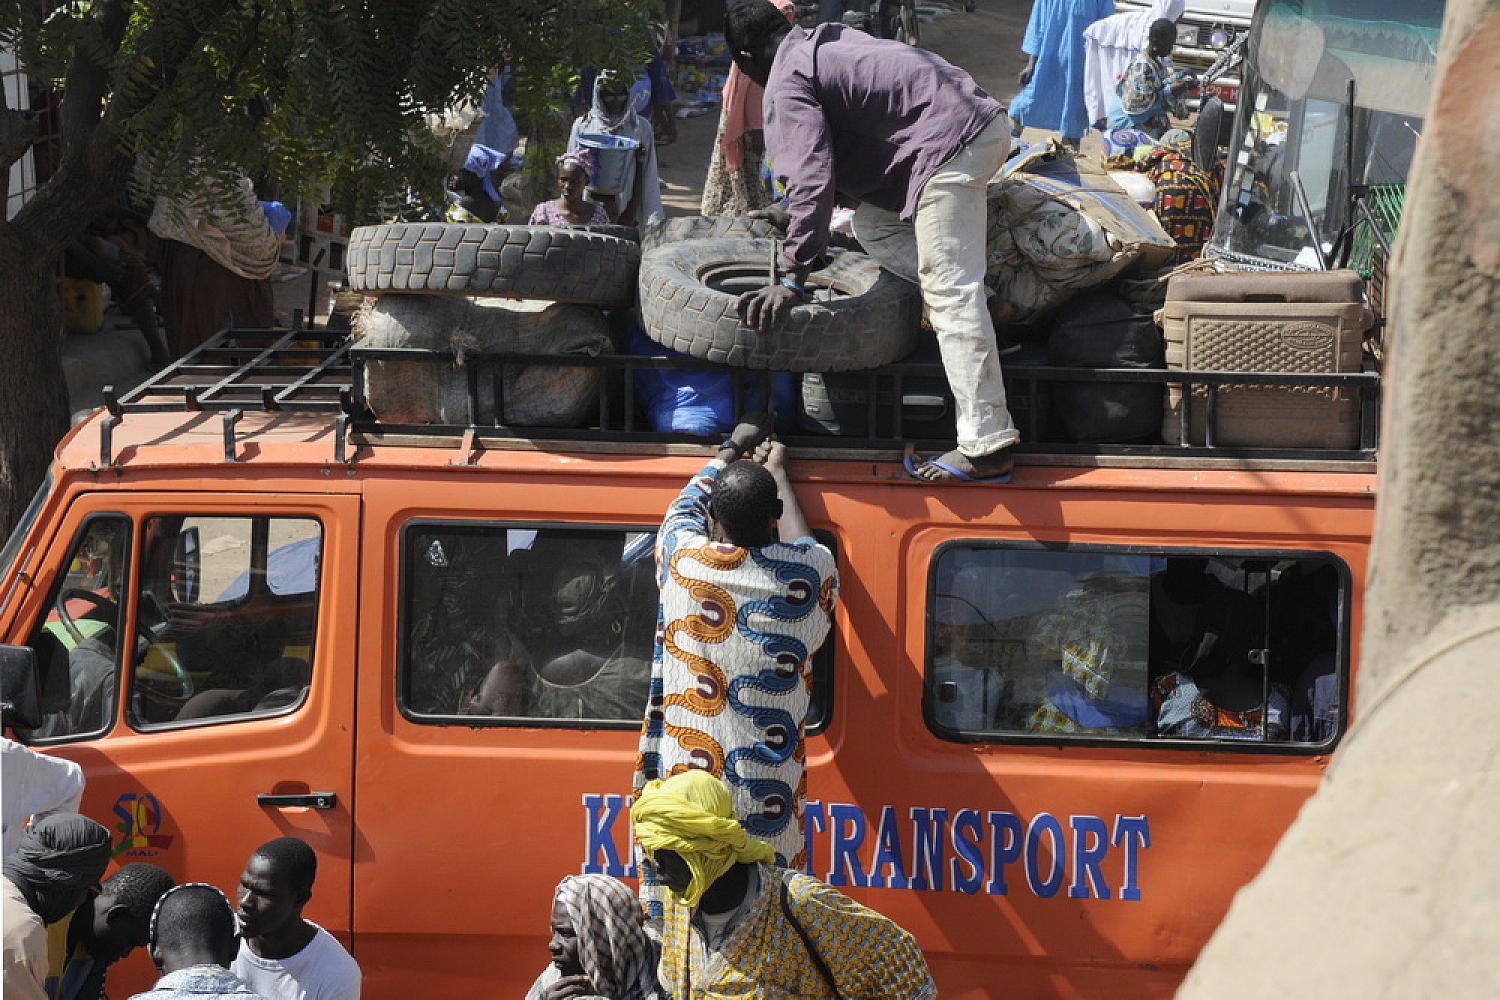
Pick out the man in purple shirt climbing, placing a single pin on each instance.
(915, 140)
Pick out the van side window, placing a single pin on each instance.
(546, 623)
(231, 604)
(78, 642)
(1115, 645)
(535, 625)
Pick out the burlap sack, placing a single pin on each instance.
(429, 393)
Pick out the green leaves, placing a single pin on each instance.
(315, 92)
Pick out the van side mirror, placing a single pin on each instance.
(20, 698)
(186, 562)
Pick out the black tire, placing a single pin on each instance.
(665, 232)
(631, 233)
(522, 262)
(875, 323)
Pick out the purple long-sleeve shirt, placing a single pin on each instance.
(870, 118)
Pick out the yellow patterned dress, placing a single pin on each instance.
(762, 957)
(730, 673)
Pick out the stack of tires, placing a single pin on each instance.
(466, 291)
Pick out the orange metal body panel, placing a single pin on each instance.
(448, 840)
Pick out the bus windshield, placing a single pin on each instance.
(1334, 96)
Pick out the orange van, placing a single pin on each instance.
(258, 614)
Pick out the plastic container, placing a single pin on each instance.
(1267, 321)
(83, 304)
(612, 156)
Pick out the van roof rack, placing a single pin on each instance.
(309, 370)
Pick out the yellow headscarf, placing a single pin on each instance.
(692, 814)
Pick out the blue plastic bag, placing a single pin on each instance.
(702, 402)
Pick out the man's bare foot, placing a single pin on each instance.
(956, 467)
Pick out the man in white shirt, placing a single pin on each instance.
(282, 956)
(36, 785)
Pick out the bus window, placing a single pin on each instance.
(1098, 644)
(508, 624)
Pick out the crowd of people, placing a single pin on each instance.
(64, 927)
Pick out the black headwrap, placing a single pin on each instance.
(60, 859)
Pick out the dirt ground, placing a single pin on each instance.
(986, 43)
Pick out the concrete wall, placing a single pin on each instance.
(1388, 884)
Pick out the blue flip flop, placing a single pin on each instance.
(910, 460)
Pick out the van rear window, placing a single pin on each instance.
(528, 624)
(1243, 649)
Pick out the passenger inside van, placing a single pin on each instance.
(511, 623)
(1095, 640)
(1178, 592)
(1224, 690)
(579, 664)
(969, 691)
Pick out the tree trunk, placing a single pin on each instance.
(33, 391)
(1386, 884)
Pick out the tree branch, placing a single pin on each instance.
(18, 130)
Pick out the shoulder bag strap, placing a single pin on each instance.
(812, 949)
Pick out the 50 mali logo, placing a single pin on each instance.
(140, 826)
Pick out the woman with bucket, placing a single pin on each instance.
(570, 208)
(625, 178)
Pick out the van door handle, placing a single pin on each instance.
(312, 800)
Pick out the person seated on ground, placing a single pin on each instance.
(281, 954)
(102, 931)
(1223, 690)
(192, 940)
(915, 144)
(1109, 44)
(570, 208)
(55, 868)
(1150, 87)
(611, 113)
(599, 944)
(738, 925)
(112, 253)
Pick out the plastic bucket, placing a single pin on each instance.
(612, 156)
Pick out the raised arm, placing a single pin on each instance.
(792, 526)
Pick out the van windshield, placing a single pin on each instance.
(1334, 97)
